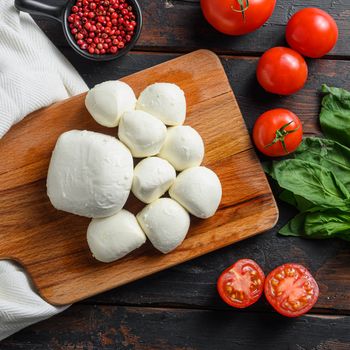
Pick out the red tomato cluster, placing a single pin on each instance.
(290, 288)
(310, 32)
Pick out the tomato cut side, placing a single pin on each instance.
(291, 290)
(241, 284)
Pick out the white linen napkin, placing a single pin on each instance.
(33, 74)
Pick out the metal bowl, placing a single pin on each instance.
(61, 13)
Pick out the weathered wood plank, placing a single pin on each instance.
(179, 26)
(108, 327)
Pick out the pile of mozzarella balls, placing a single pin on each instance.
(92, 174)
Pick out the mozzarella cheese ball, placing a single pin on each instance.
(107, 102)
(152, 178)
(199, 190)
(183, 147)
(165, 223)
(142, 133)
(165, 101)
(90, 174)
(111, 238)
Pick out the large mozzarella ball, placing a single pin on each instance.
(165, 101)
(152, 178)
(142, 133)
(90, 174)
(165, 222)
(111, 238)
(199, 190)
(183, 147)
(107, 102)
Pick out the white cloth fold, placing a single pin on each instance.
(20, 305)
(33, 74)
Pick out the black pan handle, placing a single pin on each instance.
(35, 7)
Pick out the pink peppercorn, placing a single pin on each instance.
(102, 26)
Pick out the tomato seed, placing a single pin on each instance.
(274, 282)
(290, 272)
(279, 276)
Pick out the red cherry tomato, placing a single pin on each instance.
(312, 32)
(241, 284)
(277, 132)
(226, 16)
(291, 290)
(282, 71)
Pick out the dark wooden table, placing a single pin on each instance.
(179, 308)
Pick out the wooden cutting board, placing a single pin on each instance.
(52, 245)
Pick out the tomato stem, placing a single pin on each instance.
(281, 133)
(243, 6)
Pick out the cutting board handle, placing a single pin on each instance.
(40, 8)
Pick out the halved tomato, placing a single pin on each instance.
(291, 290)
(241, 284)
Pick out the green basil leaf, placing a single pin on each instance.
(294, 227)
(327, 224)
(288, 197)
(329, 154)
(315, 183)
(296, 201)
(335, 114)
(268, 168)
(339, 93)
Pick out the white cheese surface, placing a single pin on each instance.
(183, 147)
(112, 238)
(90, 174)
(165, 101)
(106, 102)
(199, 190)
(165, 223)
(142, 133)
(152, 178)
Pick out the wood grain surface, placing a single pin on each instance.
(51, 245)
(179, 309)
(141, 328)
